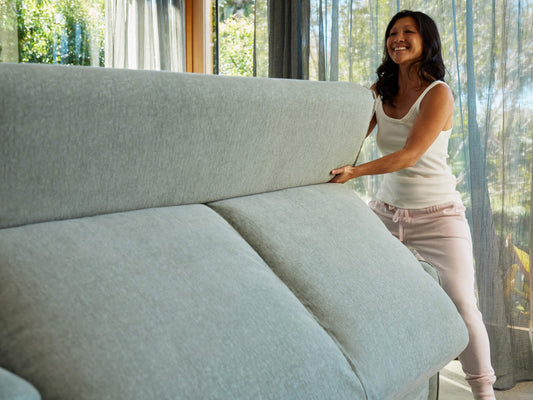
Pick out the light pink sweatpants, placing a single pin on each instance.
(441, 236)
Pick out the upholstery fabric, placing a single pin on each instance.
(305, 234)
(89, 141)
(13, 387)
(157, 304)
(422, 392)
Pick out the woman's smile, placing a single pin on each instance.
(405, 43)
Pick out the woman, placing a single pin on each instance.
(417, 200)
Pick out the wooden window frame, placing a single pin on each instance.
(198, 36)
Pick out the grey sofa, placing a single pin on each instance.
(172, 236)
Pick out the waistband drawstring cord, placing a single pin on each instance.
(402, 216)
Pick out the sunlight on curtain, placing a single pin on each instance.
(145, 34)
(488, 51)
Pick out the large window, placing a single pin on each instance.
(140, 34)
(52, 31)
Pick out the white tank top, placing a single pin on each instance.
(430, 181)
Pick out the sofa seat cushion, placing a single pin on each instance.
(157, 304)
(392, 320)
(13, 387)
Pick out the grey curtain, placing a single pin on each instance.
(288, 39)
(488, 50)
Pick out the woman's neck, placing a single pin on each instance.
(408, 79)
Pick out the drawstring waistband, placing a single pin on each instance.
(401, 216)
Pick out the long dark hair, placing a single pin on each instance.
(431, 66)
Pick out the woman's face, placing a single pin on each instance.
(405, 43)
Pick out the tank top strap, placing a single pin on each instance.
(421, 97)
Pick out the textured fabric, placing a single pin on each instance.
(430, 269)
(441, 236)
(79, 141)
(157, 304)
(420, 393)
(430, 181)
(360, 282)
(13, 387)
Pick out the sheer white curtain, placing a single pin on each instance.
(145, 34)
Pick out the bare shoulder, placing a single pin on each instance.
(439, 95)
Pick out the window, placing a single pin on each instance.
(145, 34)
(52, 32)
(233, 37)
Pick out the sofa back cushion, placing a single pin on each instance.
(157, 304)
(80, 141)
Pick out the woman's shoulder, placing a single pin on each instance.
(437, 86)
(437, 91)
(437, 96)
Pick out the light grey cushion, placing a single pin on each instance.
(392, 320)
(13, 387)
(166, 303)
(80, 141)
(430, 270)
(419, 393)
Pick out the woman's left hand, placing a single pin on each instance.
(343, 174)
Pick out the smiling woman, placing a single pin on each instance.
(418, 200)
(409, 40)
(404, 43)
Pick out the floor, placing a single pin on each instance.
(454, 387)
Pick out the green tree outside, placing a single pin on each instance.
(54, 31)
(235, 37)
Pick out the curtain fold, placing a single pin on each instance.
(145, 34)
(487, 47)
(288, 39)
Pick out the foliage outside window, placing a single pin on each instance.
(233, 37)
(52, 31)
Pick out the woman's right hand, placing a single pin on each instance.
(343, 174)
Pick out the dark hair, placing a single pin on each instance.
(431, 66)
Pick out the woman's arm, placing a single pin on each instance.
(435, 115)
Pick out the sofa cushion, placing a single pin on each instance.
(81, 141)
(155, 304)
(392, 320)
(13, 387)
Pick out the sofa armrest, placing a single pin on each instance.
(12, 387)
